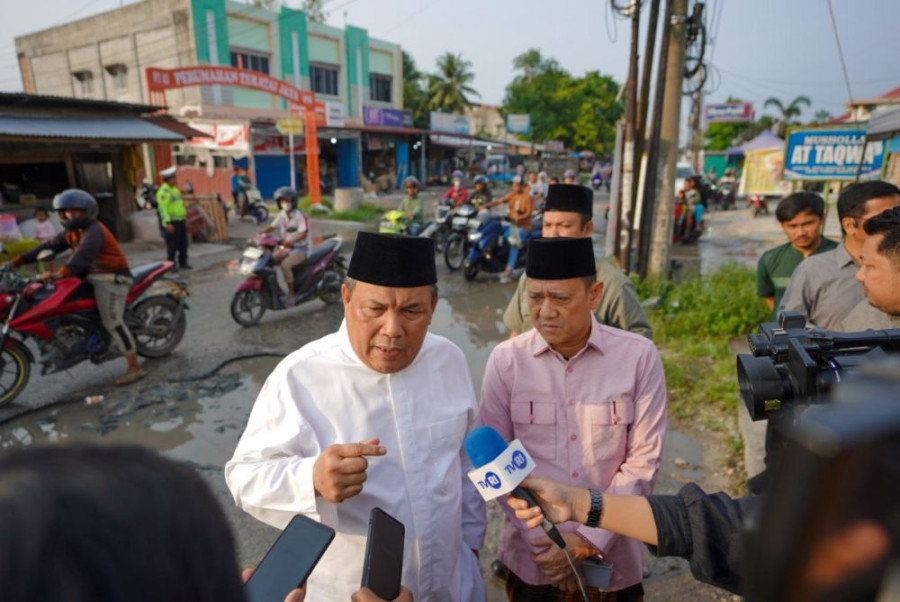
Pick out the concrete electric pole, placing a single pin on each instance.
(671, 118)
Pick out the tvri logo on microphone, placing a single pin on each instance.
(504, 473)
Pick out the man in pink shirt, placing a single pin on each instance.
(589, 404)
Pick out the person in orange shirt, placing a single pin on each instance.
(521, 204)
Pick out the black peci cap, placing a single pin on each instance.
(570, 198)
(560, 258)
(392, 260)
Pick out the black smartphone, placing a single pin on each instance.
(384, 555)
(290, 560)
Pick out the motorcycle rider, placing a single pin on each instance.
(521, 204)
(482, 193)
(411, 205)
(569, 176)
(293, 228)
(728, 182)
(457, 195)
(97, 258)
(173, 216)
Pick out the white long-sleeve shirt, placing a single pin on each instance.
(323, 394)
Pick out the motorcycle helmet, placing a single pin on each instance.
(570, 173)
(76, 199)
(456, 174)
(412, 181)
(480, 179)
(288, 194)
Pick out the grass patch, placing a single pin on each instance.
(367, 212)
(693, 323)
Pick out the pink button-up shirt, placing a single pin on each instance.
(596, 420)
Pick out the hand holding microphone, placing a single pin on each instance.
(500, 468)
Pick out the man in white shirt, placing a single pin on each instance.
(372, 415)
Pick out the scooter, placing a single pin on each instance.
(394, 222)
(62, 318)
(439, 228)
(320, 275)
(464, 222)
(596, 181)
(489, 249)
(759, 204)
(726, 195)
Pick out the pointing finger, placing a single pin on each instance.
(355, 450)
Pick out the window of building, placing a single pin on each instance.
(324, 79)
(119, 73)
(380, 87)
(244, 59)
(86, 79)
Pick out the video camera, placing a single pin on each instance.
(789, 361)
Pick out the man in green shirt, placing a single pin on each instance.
(569, 213)
(801, 216)
(172, 216)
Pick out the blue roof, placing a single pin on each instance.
(118, 127)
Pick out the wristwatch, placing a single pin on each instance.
(596, 511)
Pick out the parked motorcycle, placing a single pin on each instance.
(62, 318)
(489, 250)
(320, 275)
(464, 222)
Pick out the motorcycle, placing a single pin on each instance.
(759, 204)
(62, 318)
(254, 206)
(464, 222)
(726, 195)
(596, 181)
(489, 250)
(320, 275)
(394, 222)
(439, 228)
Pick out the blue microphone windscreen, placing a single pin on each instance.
(484, 444)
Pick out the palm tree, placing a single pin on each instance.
(823, 115)
(448, 88)
(788, 113)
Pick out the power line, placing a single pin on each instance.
(837, 40)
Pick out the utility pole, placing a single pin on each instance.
(651, 180)
(668, 140)
(628, 170)
(696, 129)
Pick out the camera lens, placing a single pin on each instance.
(763, 385)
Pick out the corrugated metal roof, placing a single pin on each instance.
(116, 127)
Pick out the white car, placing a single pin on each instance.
(682, 171)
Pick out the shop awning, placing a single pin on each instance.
(884, 123)
(456, 141)
(120, 128)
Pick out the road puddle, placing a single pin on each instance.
(197, 421)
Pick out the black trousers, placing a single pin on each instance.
(177, 242)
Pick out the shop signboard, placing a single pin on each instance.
(554, 146)
(222, 136)
(518, 123)
(334, 114)
(762, 173)
(831, 154)
(729, 112)
(449, 123)
(289, 125)
(383, 117)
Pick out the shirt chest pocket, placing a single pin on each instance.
(534, 424)
(610, 422)
(446, 437)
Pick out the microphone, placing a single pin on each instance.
(500, 468)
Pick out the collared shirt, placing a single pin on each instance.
(824, 287)
(775, 267)
(324, 394)
(170, 204)
(413, 205)
(596, 420)
(865, 317)
(619, 305)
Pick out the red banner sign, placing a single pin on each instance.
(160, 80)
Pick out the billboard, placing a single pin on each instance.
(518, 124)
(831, 154)
(763, 173)
(223, 136)
(449, 123)
(728, 112)
(383, 117)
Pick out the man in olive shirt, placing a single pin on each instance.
(801, 216)
(569, 212)
(824, 287)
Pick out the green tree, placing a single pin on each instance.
(414, 97)
(580, 112)
(823, 116)
(314, 10)
(448, 89)
(789, 113)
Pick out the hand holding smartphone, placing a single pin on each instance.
(384, 555)
(290, 560)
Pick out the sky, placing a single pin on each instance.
(759, 48)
